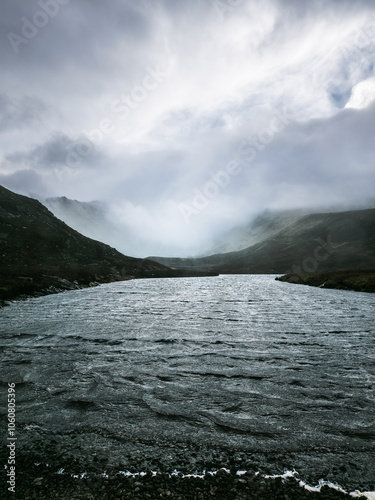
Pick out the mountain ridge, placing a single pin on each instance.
(324, 241)
(40, 254)
(264, 225)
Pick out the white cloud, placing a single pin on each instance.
(363, 94)
(228, 76)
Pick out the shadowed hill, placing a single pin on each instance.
(262, 227)
(359, 281)
(40, 254)
(93, 219)
(324, 242)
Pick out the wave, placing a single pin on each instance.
(242, 425)
(80, 404)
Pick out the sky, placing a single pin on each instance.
(188, 118)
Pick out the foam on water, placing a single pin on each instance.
(370, 495)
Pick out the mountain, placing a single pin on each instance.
(40, 254)
(323, 241)
(262, 227)
(92, 219)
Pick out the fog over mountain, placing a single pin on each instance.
(186, 119)
(99, 220)
(96, 220)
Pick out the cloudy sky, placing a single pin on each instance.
(188, 117)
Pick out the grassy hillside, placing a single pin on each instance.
(317, 242)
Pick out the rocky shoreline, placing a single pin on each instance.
(359, 281)
(45, 471)
(222, 486)
(22, 288)
(38, 481)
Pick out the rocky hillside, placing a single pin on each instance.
(316, 242)
(359, 281)
(40, 254)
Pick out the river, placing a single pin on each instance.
(196, 373)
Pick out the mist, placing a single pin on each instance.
(182, 121)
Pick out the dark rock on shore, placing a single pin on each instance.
(360, 281)
(35, 480)
(221, 487)
(45, 470)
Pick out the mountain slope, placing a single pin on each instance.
(40, 254)
(330, 241)
(262, 227)
(92, 219)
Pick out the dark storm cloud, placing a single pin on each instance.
(325, 159)
(58, 150)
(79, 33)
(20, 113)
(25, 182)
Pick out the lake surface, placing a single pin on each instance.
(197, 372)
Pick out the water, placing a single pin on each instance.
(185, 372)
